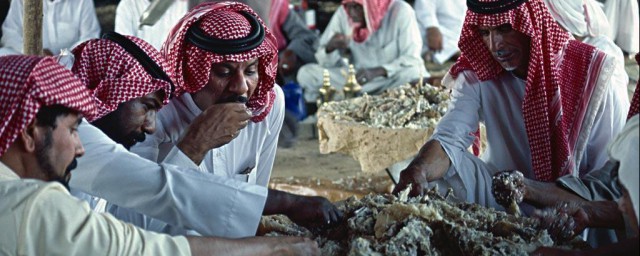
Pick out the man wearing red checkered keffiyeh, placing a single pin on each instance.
(40, 102)
(547, 102)
(126, 94)
(227, 113)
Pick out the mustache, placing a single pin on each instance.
(234, 99)
(71, 166)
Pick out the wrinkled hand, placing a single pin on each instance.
(314, 211)
(296, 246)
(416, 179)
(338, 41)
(213, 128)
(508, 187)
(564, 221)
(434, 39)
(287, 62)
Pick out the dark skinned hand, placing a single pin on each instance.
(434, 39)
(213, 128)
(314, 211)
(365, 75)
(564, 221)
(412, 178)
(288, 62)
(338, 41)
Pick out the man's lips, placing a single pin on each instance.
(504, 57)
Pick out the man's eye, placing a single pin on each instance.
(483, 32)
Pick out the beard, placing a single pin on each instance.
(43, 158)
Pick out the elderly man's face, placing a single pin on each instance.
(355, 12)
(133, 119)
(227, 81)
(507, 46)
(57, 149)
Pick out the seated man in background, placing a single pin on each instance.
(380, 38)
(65, 24)
(127, 20)
(227, 112)
(42, 104)
(440, 25)
(129, 85)
(549, 104)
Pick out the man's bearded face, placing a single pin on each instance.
(56, 153)
(228, 82)
(129, 123)
(508, 47)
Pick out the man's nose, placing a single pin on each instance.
(78, 146)
(495, 41)
(239, 85)
(149, 125)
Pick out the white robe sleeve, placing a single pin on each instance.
(178, 196)
(454, 131)
(335, 26)
(12, 28)
(126, 22)
(426, 13)
(408, 40)
(89, 25)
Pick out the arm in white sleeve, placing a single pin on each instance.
(408, 40)
(454, 131)
(89, 26)
(126, 22)
(179, 196)
(54, 223)
(12, 28)
(426, 13)
(268, 153)
(335, 26)
(609, 121)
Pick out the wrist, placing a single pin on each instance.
(191, 150)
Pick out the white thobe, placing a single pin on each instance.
(395, 46)
(65, 24)
(498, 104)
(448, 17)
(174, 194)
(41, 218)
(248, 158)
(624, 19)
(128, 20)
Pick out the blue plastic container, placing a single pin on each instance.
(293, 100)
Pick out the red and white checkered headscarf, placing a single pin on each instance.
(556, 94)
(374, 12)
(635, 100)
(114, 76)
(192, 65)
(30, 82)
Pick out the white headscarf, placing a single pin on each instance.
(625, 150)
(582, 18)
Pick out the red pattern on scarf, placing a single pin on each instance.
(374, 12)
(114, 76)
(551, 128)
(192, 65)
(277, 16)
(30, 82)
(635, 100)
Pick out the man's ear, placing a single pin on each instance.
(29, 136)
